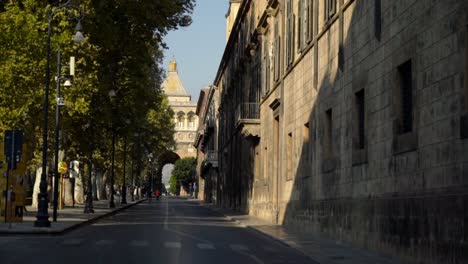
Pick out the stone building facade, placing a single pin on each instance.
(348, 118)
(185, 118)
(206, 144)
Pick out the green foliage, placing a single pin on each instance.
(174, 187)
(122, 51)
(184, 171)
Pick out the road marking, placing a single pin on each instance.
(72, 242)
(205, 246)
(239, 247)
(139, 243)
(105, 242)
(172, 244)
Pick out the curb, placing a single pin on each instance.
(46, 231)
(229, 218)
(282, 242)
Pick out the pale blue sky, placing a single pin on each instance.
(198, 48)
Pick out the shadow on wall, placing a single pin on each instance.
(358, 174)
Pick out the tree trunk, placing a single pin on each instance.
(79, 190)
(102, 186)
(95, 185)
(36, 190)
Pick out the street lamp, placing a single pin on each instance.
(60, 103)
(42, 217)
(112, 94)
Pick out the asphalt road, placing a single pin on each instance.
(165, 231)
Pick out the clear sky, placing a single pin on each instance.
(198, 48)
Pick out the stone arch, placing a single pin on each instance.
(167, 157)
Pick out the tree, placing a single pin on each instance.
(122, 51)
(184, 171)
(174, 187)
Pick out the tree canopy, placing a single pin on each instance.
(182, 174)
(123, 50)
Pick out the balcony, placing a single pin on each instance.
(248, 119)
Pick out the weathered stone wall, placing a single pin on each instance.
(402, 193)
(408, 194)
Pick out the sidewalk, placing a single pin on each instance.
(321, 250)
(67, 219)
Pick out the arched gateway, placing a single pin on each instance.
(186, 122)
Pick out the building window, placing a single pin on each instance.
(306, 142)
(276, 151)
(180, 122)
(258, 78)
(257, 161)
(289, 32)
(308, 21)
(328, 140)
(190, 123)
(464, 118)
(191, 120)
(266, 62)
(265, 163)
(466, 68)
(289, 158)
(300, 13)
(180, 119)
(330, 9)
(360, 119)
(406, 97)
(277, 52)
(378, 19)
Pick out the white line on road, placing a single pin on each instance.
(172, 244)
(205, 246)
(139, 243)
(105, 242)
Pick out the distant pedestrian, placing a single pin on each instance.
(195, 189)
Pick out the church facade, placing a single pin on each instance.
(185, 119)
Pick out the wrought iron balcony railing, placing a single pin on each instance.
(248, 112)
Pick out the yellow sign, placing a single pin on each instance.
(62, 167)
(14, 209)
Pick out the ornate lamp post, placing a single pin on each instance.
(42, 217)
(60, 103)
